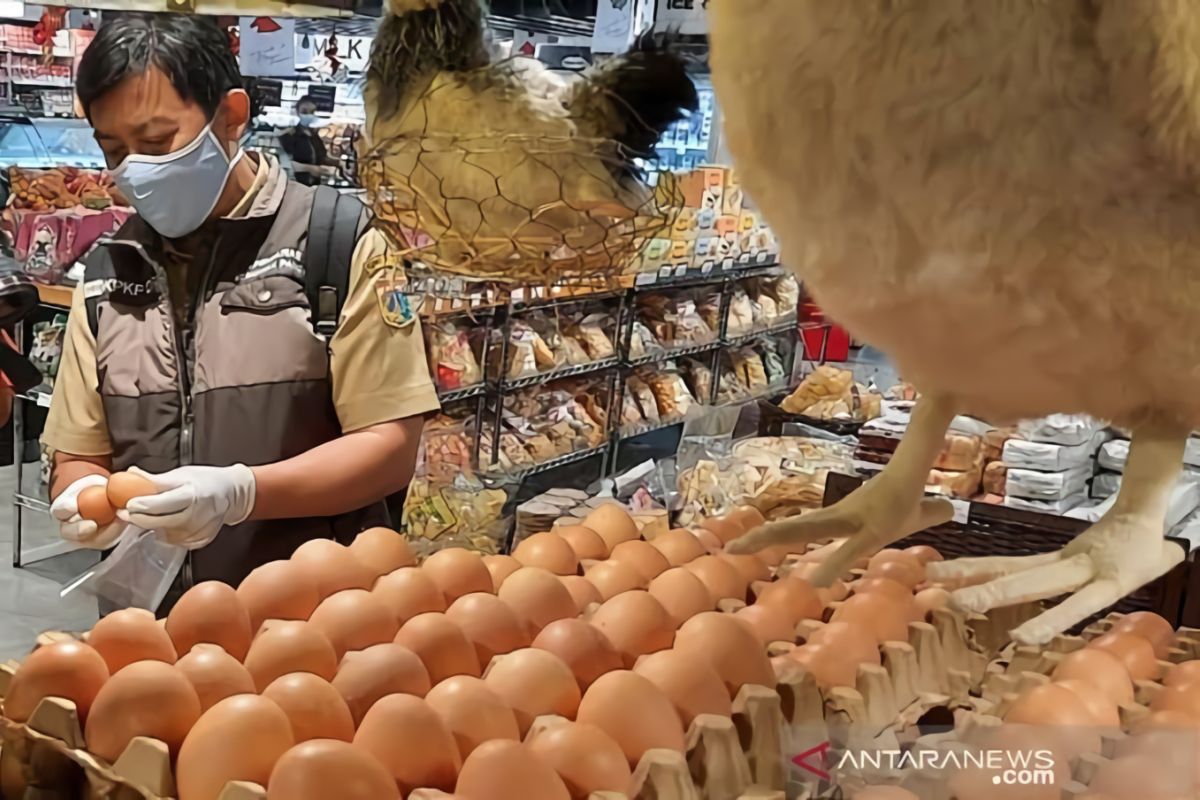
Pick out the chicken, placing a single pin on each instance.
(504, 170)
(1004, 196)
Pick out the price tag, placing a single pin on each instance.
(727, 263)
(764, 257)
(665, 273)
(681, 271)
(43, 399)
(707, 267)
(744, 258)
(962, 510)
(644, 278)
(518, 295)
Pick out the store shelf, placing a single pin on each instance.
(465, 393)
(509, 384)
(660, 356)
(43, 83)
(555, 463)
(625, 435)
(773, 330)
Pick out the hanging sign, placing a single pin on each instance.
(351, 52)
(687, 17)
(268, 46)
(324, 95)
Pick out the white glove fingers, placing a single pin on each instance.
(1039, 583)
(65, 508)
(1093, 598)
(78, 530)
(164, 522)
(842, 561)
(824, 524)
(171, 501)
(986, 567)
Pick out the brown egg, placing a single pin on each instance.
(769, 623)
(1151, 627)
(611, 578)
(884, 615)
(315, 709)
(504, 770)
(582, 647)
(586, 543)
(750, 567)
(642, 556)
(364, 676)
(215, 674)
(585, 757)
(239, 739)
(333, 567)
(827, 666)
(210, 613)
(500, 567)
(692, 685)
(794, 596)
(882, 586)
(855, 642)
(613, 523)
(283, 647)
(70, 670)
(279, 590)
(902, 567)
(473, 712)
(94, 505)
(634, 712)
(720, 577)
(148, 698)
(1100, 706)
(489, 624)
(924, 553)
(724, 529)
(547, 551)
(835, 592)
(682, 594)
(538, 597)
(1134, 652)
(412, 742)
(534, 682)
(124, 486)
(582, 591)
(382, 550)
(1058, 714)
(746, 517)
(679, 547)
(711, 543)
(930, 600)
(1182, 699)
(730, 646)
(130, 635)
(1183, 674)
(354, 619)
(1141, 776)
(1101, 669)
(636, 624)
(456, 572)
(408, 592)
(774, 556)
(441, 645)
(325, 768)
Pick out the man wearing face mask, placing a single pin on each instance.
(310, 158)
(230, 340)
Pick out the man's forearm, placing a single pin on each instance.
(68, 468)
(348, 473)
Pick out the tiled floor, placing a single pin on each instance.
(29, 597)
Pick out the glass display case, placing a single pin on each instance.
(39, 142)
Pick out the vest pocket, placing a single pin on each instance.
(265, 295)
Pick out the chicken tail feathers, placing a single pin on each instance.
(634, 98)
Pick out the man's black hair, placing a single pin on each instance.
(308, 98)
(192, 51)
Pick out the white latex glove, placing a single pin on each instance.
(193, 504)
(74, 528)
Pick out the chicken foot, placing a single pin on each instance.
(885, 509)
(1122, 552)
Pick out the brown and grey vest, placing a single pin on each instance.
(244, 379)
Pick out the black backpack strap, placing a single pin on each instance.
(334, 228)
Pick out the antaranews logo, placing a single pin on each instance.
(1007, 767)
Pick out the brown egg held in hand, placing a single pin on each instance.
(642, 557)
(585, 757)
(794, 596)
(124, 486)
(239, 739)
(1102, 708)
(215, 674)
(613, 523)
(324, 768)
(364, 676)
(149, 699)
(587, 544)
(504, 770)
(353, 620)
(534, 682)
(71, 670)
(1099, 668)
(278, 590)
(582, 647)
(904, 568)
(884, 615)
(500, 567)
(828, 667)
(720, 577)
(473, 712)
(129, 635)
(611, 578)
(457, 572)
(382, 550)
(682, 594)
(289, 646)
(441, 645)
(634, 712)
(692, 685)
(770, 624)
(412, 742)
(315, 709)
(1151, 627)
(1183, 674)
(489, 624)
(538, 597)
(1134, 652)
(582, 591)
(333, 567)
(679, 546)
(93, 504)
(408, 592)
(729, 645)
(636, 624)
(210, 613)
(855, 642)
(547, 551)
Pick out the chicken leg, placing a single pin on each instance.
(1120, 553)
(886, 508)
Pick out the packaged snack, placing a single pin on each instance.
(637, 388)
(741, 313)
(591, 333)
(451, 357)
(670, 392)
(699, 379)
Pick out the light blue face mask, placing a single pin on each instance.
(175, 193)
(309, 120)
